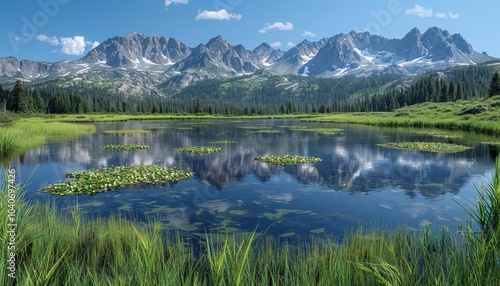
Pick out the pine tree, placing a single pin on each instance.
(19, 97)
(494, 85)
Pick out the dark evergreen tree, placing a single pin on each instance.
(20, 101)
(494, 85)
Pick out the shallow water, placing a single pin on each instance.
(356, 183)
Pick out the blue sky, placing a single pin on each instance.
(53, 30)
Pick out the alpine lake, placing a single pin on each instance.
(358, 182)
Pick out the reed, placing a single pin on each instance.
(29, 133)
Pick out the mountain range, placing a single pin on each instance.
(137, 64)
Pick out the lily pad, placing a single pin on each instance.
(427, 146)
(288, 159)
(95, 181)
(223, 142)
(238, 212)
(199, 149)
(318, 230)
(288, 234)
(125, 147)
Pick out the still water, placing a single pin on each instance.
(357, 183)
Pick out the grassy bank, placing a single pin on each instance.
(158, 117)
(28, 133)
(53, 248)
(480, 115)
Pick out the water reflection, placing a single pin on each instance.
(357, 182)
(351, 163)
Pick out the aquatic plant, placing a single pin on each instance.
(106, 179)
(267, 131)
(28, 133)
(427, 146)
(125, 131)
(198, 149)
(223, 142)
(124, 147)
(318, 130)
(331, 133)
(287, 159)
(486, 213)
(255, 127)
(440, 134)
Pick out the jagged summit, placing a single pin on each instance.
(150, 60)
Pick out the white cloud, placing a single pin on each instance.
(275, 44)
(170, 2)
(53, 41)
(419, 11)
(290, 45)
(309, 34)
(277, 26)
(448, 15)
(73, 46)
(216, 15)
(70, 45)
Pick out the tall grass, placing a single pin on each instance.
(67, 248)
(448, 115)
(28, 133)
(113, 117)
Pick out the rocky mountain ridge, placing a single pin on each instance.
(137, 63)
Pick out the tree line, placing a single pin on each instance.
(274, 95)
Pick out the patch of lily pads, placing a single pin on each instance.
(255, 127)
(107, 179)
(288, 159)
(223, 142)
(199, 149)
(318, 130)
(427, 146)
(440, 134)
(125, 147)
(126, 131)
(267, 131)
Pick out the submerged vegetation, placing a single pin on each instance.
(288, 159)
(95, 181)
(427, 146)
(58, 248)
(199, 149)
(125, 147)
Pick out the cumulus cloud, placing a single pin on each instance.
(290, 45)
(170, 2)
(216, 15)
(277, 26)
(419, 11)
(73, 46)
(69, 45)
(53, 41)
(275, 44)
(309, 34)
(448, 15)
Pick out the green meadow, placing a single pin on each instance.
(479, 115)
(28, 133)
